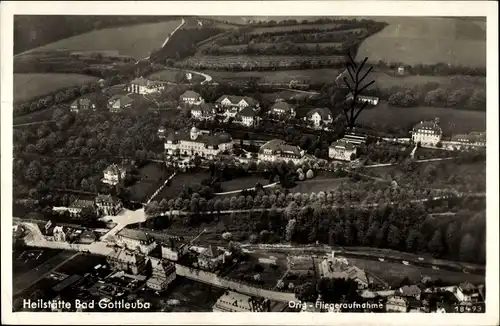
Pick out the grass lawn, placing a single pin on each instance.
(392, 272)
(269, 276)
(176, 185)
(243, 183)
(23, 264)
(317, 185)
(81, 264)
(414, 40)
(280, 76)
(151, 177)
(32, 86)
(452, 121)
(385, 80)
(297, 27)
(168, 75)
(129, 41)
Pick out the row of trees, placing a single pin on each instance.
(286, 48)
(438, 69)
(59, 97)
(462, 98)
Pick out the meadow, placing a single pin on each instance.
(128, 41)
(412, 40)
(281, 76)
(172, 76)
(452, 121)
(32, 86)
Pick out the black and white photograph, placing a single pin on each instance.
(170, 161)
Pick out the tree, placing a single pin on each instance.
(436, 243)
(306, 292)
(152, 209)
(467, 248)
(355, 86)
(310, 174)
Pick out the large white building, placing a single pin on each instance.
(198, 142)
(144, 86)
(278, 150)
(372, 100)
(427, 133)
(114, 174)
(342, 150)
(319, 117)
(135, 240)
(191, 98)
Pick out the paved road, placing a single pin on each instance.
(22, 282)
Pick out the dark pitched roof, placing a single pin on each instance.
(204, 108)
(134, 234)
(247, 112)
(237, 99)
(81, 203)
(190, 94)
(122, 100)
(114, 168)
(107, 199)
(208, 139)
(428, 125)
(282, 106)
(144, 82)
(126, 256)
(343, 143)
(210, 252)
(325, 113)
(278, 145)
(410, 290)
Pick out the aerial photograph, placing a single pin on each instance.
(249, 164)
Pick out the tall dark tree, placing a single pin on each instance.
(356, 85)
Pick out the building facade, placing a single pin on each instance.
(174, 250)
(127, 261)
(240, 102)
(427, 133)
(135, 240)
(144, 86)
(282, 110)
(82, 104)
(372, 100)
(319, 117)
(342, 150)
(118, 103)
(163, 273)
(76, 208)
(114, 174)
(211, 258)
(247, 117)
(191, 98)
(278, 150)
(198, 142)
(108, 205)
(236, 302)
(396, 303)
(203, 111)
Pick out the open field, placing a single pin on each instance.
(282, 76)
(243, 183)
(394, 272)
(128, 41)
(265, 45)
(317, 185)
(426, 40)
(21, 263)
(385, 80)
(172, 76)
(290, 28)
(176, 185)
(151, 177)
(31, 86)
(452, 121)
(216, 62)
(81, 264)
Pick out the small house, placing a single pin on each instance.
(211, 258)
(191, 98)
(319, 116)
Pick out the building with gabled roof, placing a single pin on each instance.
(278, 150)
(247, 117)
(144, 86)
(137, 240)
(410, 291)
(397, 303)
(427, 133)
(191, 98)
(118, 103)
(203, 111)
(282, 109)
(108, 205)
(163, 273)
(236, 101)
(342, 150)
(127, 261)
(319, 116)
(82, 104)
(210, 258)
(236, 302)
(198, 142)
(114, 174)
(472, 139)
(77, 206)
(173, 249)
(372, 100)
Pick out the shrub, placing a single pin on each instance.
(310, 174)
